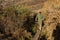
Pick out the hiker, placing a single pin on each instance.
(39, 19)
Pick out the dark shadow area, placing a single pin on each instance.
(43, 38)
(42, 23)
(26, 38)
(56, 33)
(29, 24)
(2, 28)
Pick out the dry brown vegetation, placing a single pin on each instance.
(15, 23)
(17, 19)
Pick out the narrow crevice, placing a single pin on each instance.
(42, 23)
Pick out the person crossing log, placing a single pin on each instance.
(39, 19)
